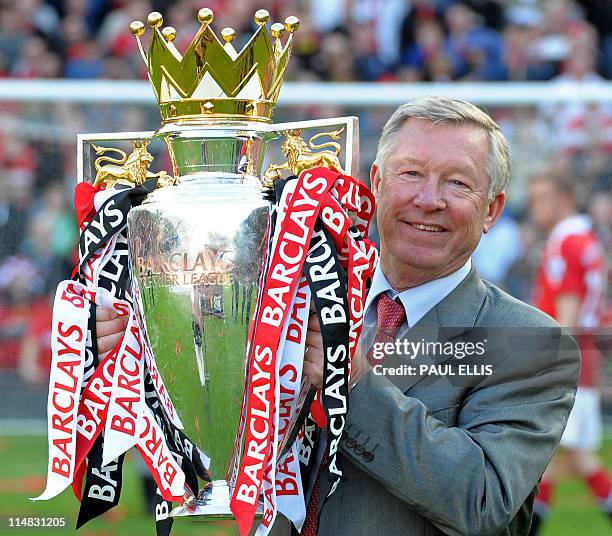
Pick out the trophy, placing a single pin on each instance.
(198, 243)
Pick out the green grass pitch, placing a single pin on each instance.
(23, 462)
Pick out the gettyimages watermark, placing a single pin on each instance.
(466, 357)
(412, 350)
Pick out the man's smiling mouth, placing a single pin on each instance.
(427, 227)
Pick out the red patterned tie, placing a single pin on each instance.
(311, 522)
(391, 316)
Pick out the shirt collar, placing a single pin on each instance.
(417, 301)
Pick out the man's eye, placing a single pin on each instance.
(458, 182)
(412, 173)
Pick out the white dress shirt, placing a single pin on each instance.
(417, 301)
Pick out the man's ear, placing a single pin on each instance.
(494, 211)
(375, 179)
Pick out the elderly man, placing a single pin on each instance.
(434, 450)
(432, 453)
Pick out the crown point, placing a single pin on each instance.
(155, 19)
(169, 33)
(192, 94)
(205, 15)
(277, 30)
(262, 17)
(292, 23)
(228, 34)
(137, 28)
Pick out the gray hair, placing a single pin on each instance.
(457, 112)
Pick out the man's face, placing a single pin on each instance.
(544, 203)
(432, 199)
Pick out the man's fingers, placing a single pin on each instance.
(111, 327)
(105, 313)
(106, 344)
(314, 340)
(313, 356)
(313, 323)
(314, 374)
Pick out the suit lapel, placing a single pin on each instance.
(453, 317)
(457, 312)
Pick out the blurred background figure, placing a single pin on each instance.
(570, 286)
(499, 250)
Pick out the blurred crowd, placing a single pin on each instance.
(338, 40)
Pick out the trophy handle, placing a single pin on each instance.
(309, 154)
(303, 155)
(115, 170)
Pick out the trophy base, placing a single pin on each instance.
(212, 508)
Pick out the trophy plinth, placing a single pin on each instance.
(212, 504)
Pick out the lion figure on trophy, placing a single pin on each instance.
(301, 155)
(131, 170)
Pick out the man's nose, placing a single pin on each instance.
(429, 197)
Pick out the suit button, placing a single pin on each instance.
(344, 435)
(359, 450)
(350, 442)
(368, 456)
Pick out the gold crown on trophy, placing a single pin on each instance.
(212, 80)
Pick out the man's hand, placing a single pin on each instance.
(313, 355)
(109, 327)
(360, 367)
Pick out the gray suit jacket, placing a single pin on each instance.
(437, 454)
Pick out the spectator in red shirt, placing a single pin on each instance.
(570, 286)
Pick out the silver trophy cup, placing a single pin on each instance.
(196, 249)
